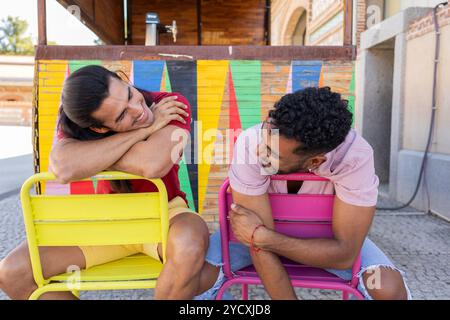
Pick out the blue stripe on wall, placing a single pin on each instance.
(148, 74)
(305, 74)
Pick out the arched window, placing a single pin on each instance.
(299, 35)
(295, 30)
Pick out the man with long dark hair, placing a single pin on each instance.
(106, 123)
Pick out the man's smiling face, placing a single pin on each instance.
(124, 109)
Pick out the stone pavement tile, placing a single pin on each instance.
(118, 295)
(12, 231)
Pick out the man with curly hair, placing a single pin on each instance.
(307, 131)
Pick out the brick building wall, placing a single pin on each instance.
(426, 25)
(15, 105)
(361, 24)
(16, 89)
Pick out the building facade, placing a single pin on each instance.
(394, 102)
(314, 22)
(16, 86)
(395, 42)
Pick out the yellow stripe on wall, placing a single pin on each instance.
(211, 76)
(51, 76)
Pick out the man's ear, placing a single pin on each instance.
(316, 161)
(99, 130)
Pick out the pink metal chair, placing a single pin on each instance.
(296, 215)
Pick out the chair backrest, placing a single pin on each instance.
(296, 215)
(93, 219)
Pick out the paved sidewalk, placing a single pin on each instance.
(13, 173)
(417, 243)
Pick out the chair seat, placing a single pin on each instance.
(135, 267)
(298, 272)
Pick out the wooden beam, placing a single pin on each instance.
(199, 22)
(267, 19)
(348, 22)
(132, 52)
(42, 23)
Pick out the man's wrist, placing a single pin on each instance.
(146, 132)
(262, 238)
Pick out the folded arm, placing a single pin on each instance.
(350, 227)
(72, 159)
(154, 157)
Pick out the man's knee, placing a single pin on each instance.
(187, 248)
(385, 284)
(16, 276)
(188, 241)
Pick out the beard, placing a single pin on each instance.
(298, 167)
(271, 170)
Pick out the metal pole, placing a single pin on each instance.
(42, 23)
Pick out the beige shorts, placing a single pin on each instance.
(95, 255)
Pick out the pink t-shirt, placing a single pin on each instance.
(349, 167)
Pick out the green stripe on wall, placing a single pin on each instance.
(74, 65)
(351, 98)
(247, 85)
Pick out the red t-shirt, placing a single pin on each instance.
(170, 180)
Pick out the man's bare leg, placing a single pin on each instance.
(186, 249)
(16, 275)
(392, 286)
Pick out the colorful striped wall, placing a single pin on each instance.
(223, 94)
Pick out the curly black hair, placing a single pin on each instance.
(316, 117)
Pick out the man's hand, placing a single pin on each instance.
(243, 222)
(154, 157)
(167, 110)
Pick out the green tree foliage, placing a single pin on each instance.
(12, 37)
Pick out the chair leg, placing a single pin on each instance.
(222, 289)
(358, 295)
(37, 293)
(344, 295)
(244, 291)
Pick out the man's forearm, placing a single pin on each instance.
(141, 161)
(74, 160)
(154, 157)
(320, 253)
(273, 275)
(246, 222)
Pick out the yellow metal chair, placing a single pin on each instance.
(96, 219)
